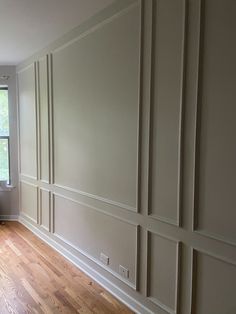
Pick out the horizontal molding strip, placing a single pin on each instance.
(194, 252)
(29, 183)
(28, 217)
(95, 209)
(215, 237)
(67, 44)
(28, 176)
(96, 197)
(95, 260)
(178, 247)
(226, 260)
(164, 219)
(124, 297)
(97, 26)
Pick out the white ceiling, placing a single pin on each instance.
(26, 26)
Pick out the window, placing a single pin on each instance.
(4, 136)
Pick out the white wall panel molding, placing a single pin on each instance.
(96, 197)
(168, 299)
(26, 176)
(27, 67)
(29, 184)
(214, 166)
(30, 219)
(131, 222)
(65, 54)
(44, 208)
(37, 110)
(161, 162)
(99, 25)
(197, 122)
(135, 227)
(89, 269)
(128, 95)
(29, 197)
(50, 119)
(43, 118)
(27, 110)
(222, 273)
(95, 260)
(145, 100)
(214, 236)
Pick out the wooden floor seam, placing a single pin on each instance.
(34, 278)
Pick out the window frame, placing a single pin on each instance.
(7, 137)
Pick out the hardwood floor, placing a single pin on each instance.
(34, 278)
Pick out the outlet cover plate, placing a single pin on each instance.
(104, 259)
(124, 272)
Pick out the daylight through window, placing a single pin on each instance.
(4, 135)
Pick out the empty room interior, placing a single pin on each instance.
(118, 156)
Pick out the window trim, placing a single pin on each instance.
(7, 137)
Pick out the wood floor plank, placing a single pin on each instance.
(34, 278)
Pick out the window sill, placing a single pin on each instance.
(7, 188)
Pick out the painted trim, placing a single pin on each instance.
(176, 222)
(96, 261)
(117, 292)
(155, 301)
(95, 209)
(197, 121)
(50, 120)
(194, 254)
(98, 25)
(137, 243)
(28, 176)
(43, 59)
(136, 207)
(41, 209)
(9, 217)
(96, 197)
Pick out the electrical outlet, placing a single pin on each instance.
(104, 259)
(124, 272)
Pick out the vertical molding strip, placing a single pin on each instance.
(38, 148)
(193, 280)
(48, 119)
(181, 118)
(177, 276)
(176, 222)
(37, 120)
(197, 121)
(51, 131)
(52, 213)
(39, 205)
(145, 114)
(139, 128)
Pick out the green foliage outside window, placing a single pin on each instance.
(4, 135)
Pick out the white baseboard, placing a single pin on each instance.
(9, 218)
(117, 292)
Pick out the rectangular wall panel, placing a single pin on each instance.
(43, 118)
(27, 121)
(93, 232)
(96, 106)
(45, 208)
(216, 160)
(166, 116)
(214, 285)
(29, 200)
(162, 276)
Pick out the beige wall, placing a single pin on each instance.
(127, 148)
(9, 203)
